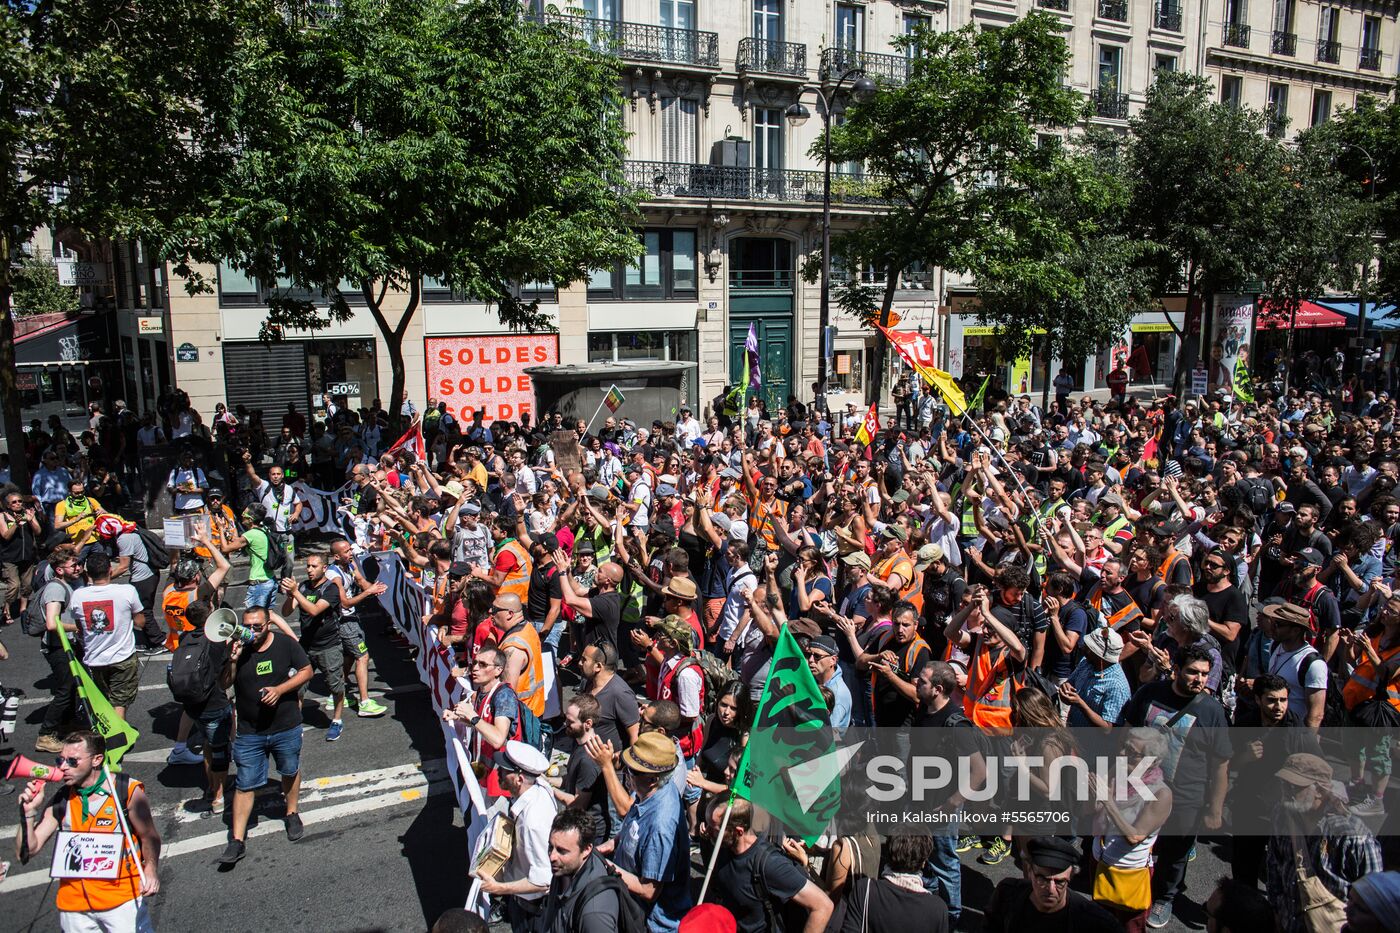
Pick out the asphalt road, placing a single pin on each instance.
(384, 848)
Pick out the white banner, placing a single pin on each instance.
(319, 513)
(407, 605)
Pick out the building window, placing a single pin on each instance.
(768, 128)
(1231, 89)
(607, 346)
(1321, 107)
(665, 270)
(600, 9)
(237, 288)
(678, 14)
(435, 291)
(1164, 63)
(1371, 42)
(680, 130)
(1276, 112)
(768, 20)
(1236, 12)
(913, 23)
(850, 27)
(1110, 67)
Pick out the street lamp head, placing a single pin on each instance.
(797, 113)
(863, 89)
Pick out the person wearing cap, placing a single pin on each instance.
(651, 851)
(942, 587)
(1373, 904)
(544, 601)
(1175, 569)
(470, 537)
(1304, 588)
(527, 876)
(822, 659)
(77, 513)
(1042, 899)
(1097, 687)
(1283, 549)
(639, 496)
(1337, 848)
(893, 565)
(756, 881)
(1198, 776)
(1301, 665)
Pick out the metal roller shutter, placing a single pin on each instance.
(267, 376)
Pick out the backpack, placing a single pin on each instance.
(157, 555)
(191, 675)
(533, 732)
(718, 676)
(33, 623)
(276, 563)
(1258, 494)
(630, 917)
(1334, 710)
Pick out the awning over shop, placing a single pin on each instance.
(1377, 316)
(1309, 314)
(64, 340)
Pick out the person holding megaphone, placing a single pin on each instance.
(102, 881)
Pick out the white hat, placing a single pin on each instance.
(1105, 643)
(517, 756)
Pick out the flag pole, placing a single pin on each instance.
(594, 417)
(110, 783)
(719, 843)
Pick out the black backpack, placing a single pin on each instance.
(33, 623)
(157, 556)
(276, 562)
(191, 675)
(630, 917)
(1258, 495)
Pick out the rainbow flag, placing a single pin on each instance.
(614, 399)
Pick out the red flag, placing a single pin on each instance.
(1140, 364)
(869, 427)
(412, 441)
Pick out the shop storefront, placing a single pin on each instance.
(270, 376)
(63, 363)
(670, 335)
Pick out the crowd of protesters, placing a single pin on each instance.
(1173, 569)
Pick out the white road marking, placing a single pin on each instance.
(374, 694)
(397, 785)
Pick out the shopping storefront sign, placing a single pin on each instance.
(476, 373)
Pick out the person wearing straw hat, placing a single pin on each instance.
(651, 850)
(527, 875)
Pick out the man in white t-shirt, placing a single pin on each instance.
(187, 485)
(742, 581)
(106, 615)
(471, 540)
(638, 497)
(526, 484)
(1298, 662)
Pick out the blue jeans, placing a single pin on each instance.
(260, 594)
(943, 874)
(250, 754)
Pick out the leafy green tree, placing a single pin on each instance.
(956, 145)
(385, 143)
(1107, 283)
(36, 289)
(1209, 189)
(109, 118)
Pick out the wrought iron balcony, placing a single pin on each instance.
(1284, 43)
(1116, 10)
(1235, 34)
(773, 58)
(1370, 59)
(642, 42)
(1329, 52)
(653, 180)
(890, 68)
(1168, 18)
(1109, 103)
(1061, 5)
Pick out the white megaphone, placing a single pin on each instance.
(223, 625)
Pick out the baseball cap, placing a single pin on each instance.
(1311, 555)
(470, 508)
(857, 559)
(548, 541)
(1301, 769)
(676, 629)
(895, 531)
(927, 556)
(730, 473)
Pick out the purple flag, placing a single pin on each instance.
(751, 351)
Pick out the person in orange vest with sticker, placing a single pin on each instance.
(996, 653)
(520, 644)
(512, 565)
(1377, 676)
(101, 837)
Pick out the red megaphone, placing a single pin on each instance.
(27, 769)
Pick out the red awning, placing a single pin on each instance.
(1308, 315)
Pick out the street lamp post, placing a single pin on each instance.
(1366, 260)
(797, 113)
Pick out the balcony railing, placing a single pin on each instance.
(654, 180)
(1329, 52)
(838, 61)
(1370, 59)
(1109, 103)
(1235, 34)
(1168, 18)
(1061, 5)
(761, 279)
(643, 42)
(1284, 43)
(1116, 10)
(774, 58)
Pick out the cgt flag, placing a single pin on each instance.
(791, 767)
(869, 427)
(412, 440)
(917, 350)
(118, 733)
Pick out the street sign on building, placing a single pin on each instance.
(187, 353)
(71, 272)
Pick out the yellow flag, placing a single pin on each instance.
(869, 427)
(118, 733)
(917, 351)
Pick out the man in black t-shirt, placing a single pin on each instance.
(545, 598)
(583, 787)
(266, 676)
(317, 602)
(755, 881)
(212, 717)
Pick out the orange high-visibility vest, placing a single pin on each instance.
(519, 581)
(1169, 563)
(94, 895)
(1362, 684)
(899, 563)
(987, 700)
(529, 687)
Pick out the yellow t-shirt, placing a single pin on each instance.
(478, 475)
(89, 511)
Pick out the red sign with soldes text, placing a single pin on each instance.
(472, 373)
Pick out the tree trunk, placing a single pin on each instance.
(9, 388)
(881, 344)
(393, 340)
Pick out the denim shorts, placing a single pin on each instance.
(250, 754)
(260, 594)
(215, 727)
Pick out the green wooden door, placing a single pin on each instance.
(774, 331)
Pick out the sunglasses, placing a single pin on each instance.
(501, 609)
(67, 761)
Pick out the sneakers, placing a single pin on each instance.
(233, 852)
(994, 852)
(181, 755)
(1159, 916)
(968, 843)
(372, 707)
(1371, 806)
(352, 701)
(294, 828)
(151, 651)
(48, 743)
(1191, 855)
(333, 733)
